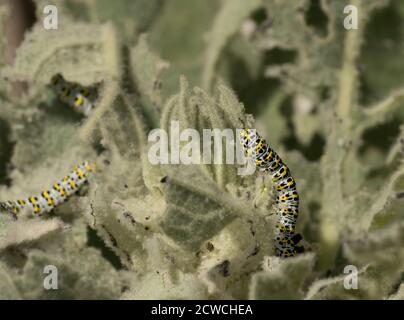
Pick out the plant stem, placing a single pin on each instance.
(333, 159)
(349, 74)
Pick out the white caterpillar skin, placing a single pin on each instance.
(79, 98)
(287, 200)
(47, 200)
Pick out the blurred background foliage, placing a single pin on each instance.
(329, 100)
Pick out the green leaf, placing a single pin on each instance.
(73, 280)
(284, 281)
(195, 109)
(89, 58)
(146, 68)
(185, 220)
(15, 233)
(8, 290)
(376, 250)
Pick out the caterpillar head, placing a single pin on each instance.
(248, 137)
(57, 79)
(3, 207)
(8, 207)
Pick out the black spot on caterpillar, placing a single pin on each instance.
(47, 200)
(80, 98)
(287, 200)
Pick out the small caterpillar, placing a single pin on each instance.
(50, 198)
(73, 94)
(287, 200)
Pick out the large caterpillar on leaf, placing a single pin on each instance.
(80, 98)
(50, 198)
(287, 200)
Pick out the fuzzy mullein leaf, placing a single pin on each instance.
(377, 274)
(167, 268)
(381, 201)
(69, 253)
(377, 250)
(194, 109)
(118, 191)
(397, 149)
(399, 295)
(15, 233)
(118, 208)
(123, 129)
(122, 216)
(230, 258)
(284, 281)
(227, 23)
(391, 214)
(8, 290)
(144, 106)
(155, 286)
(81, 52)
(185, 220)
(146, 70)
(332, 288)
(38, 139)
(73, 280)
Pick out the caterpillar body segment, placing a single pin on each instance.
(287, 198)
(58, 193)
(80, 98)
